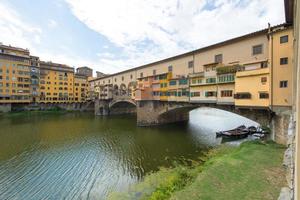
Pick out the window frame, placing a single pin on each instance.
(258, 45)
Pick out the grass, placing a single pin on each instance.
(251, 171)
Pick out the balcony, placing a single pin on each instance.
(253, 72)
(229, 69)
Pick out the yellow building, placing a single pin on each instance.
(81, 88)
(56, 83)
(14, 75)
(281, 59)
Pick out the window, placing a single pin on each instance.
(122, 78)
(130, 76)
(210, 94)
(195, 94)
(191, 64)
(284, 39)
(115, 79)
(210, 80)
(141, 75)
(263, 64)
(226, 78)
(242, 95)
(263, 80)
(226, 93)
(170, 68)
(283, 61)
(263, 95)
(154, 72)
(173, 82)
(257, 49)
(183, 81)
(283, 84)
(219, 58)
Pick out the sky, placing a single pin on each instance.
(115, 35)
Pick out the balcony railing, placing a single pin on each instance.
(229, 69)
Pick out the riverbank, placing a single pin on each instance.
(251, 171)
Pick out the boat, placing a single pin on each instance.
(237, 133)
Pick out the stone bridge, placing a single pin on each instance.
(152, 112)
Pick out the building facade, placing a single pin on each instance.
(86, 71)
(253, 71)
(14, 75)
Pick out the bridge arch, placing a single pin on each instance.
(122, 106)
(169, 112)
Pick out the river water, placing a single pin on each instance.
(82, 156)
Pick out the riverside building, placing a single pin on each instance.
(253, 71)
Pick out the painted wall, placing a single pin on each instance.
(282, 96)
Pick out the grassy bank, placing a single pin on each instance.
(251, 171)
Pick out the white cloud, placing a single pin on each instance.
(14, 31)
(52, 23)
(145, 30)
(172, 27)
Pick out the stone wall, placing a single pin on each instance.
(87, 106)
(4, 108)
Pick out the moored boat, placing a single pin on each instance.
(237, 133)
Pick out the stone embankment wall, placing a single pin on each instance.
(86, 106)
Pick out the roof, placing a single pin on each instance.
(13, 48)
(226, 42)
(85, 67)
(55, 64)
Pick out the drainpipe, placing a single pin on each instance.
(270, 34)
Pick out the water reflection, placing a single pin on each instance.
(80, 156)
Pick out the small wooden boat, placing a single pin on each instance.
(237, 133)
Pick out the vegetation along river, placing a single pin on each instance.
(82, 156)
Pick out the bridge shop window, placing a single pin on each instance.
(195, 94)
(154, 72)
(226, 93)
(183, 81)
(257, 49)
(170, 68)
(210, 94)
(242, 95)
(263, 95)
(284, 39)
(173, 82)
(141, 75)
(283, 84)
(284, 61)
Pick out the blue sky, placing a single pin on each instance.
(114, 35)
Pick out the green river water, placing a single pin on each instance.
(82, 156)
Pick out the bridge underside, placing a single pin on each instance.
(151, 113)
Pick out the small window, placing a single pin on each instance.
(219, 58)
(263, 95)
(154, 72)
(257, 49)
(170, 68)
(263, 64)
(284, 39)
(283, 84)
(226, 93)
(264, 80)
(191, 64)
(283, 61)
(130, 76)
(122, 78)
(141, 75)
(115, 79)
